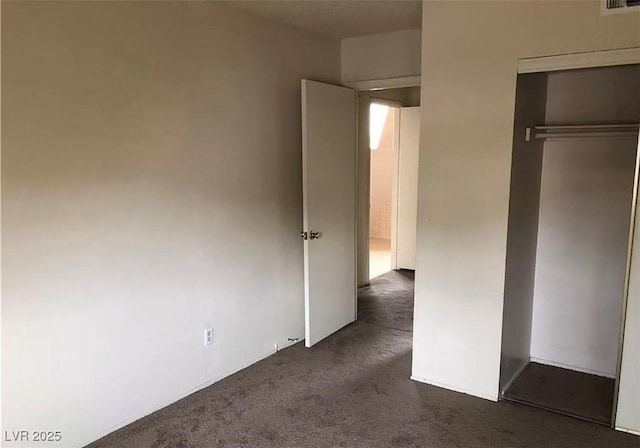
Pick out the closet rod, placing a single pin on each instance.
(560, 135)
(581, 131)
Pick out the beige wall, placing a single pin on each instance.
(522, 233)
(469, 62)
(151, 165)
(379, 56)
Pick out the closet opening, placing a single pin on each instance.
(571, 208)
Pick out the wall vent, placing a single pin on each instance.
(616, 6)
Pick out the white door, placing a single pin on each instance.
(329, 208)
(408, 152)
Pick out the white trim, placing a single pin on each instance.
(490, 397)
(390, 103)
(364, 196)
(387, 83)
(627, 430)
(574, 368)
(627, 278)
(356, 107)
(305, 214)
(573, 61)
(515, 377)
(394, 188)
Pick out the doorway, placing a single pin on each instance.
(336, 203)
(571, 208)
(383, 143)
(394, 132)
(389, 128)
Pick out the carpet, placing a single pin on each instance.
(353, 390)
(388, 301)
(575, 393)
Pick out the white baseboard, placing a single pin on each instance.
(514, 377)
(569, 367)
(478, 394)
(627, 430)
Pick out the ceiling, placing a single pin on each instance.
(340, 18)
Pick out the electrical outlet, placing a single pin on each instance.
(208, 336)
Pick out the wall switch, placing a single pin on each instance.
(208, 336)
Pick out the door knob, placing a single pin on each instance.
(304, 235)
(314, 235)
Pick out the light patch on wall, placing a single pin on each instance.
(377, 117)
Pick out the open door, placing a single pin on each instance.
(329, 208)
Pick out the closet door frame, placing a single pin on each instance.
(573, 61)
(598, 59)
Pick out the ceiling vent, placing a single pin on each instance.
(616, 6)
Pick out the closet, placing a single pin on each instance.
(570, 210)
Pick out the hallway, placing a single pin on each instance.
(379, 257)
(353, 390)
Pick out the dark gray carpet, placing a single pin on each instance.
(353, 390)
(388, 301)
(575, 393)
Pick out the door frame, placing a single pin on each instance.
(573, 61)
(364, 160)
(600, 59)
(385, 83)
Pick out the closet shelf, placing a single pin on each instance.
(581, 131)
